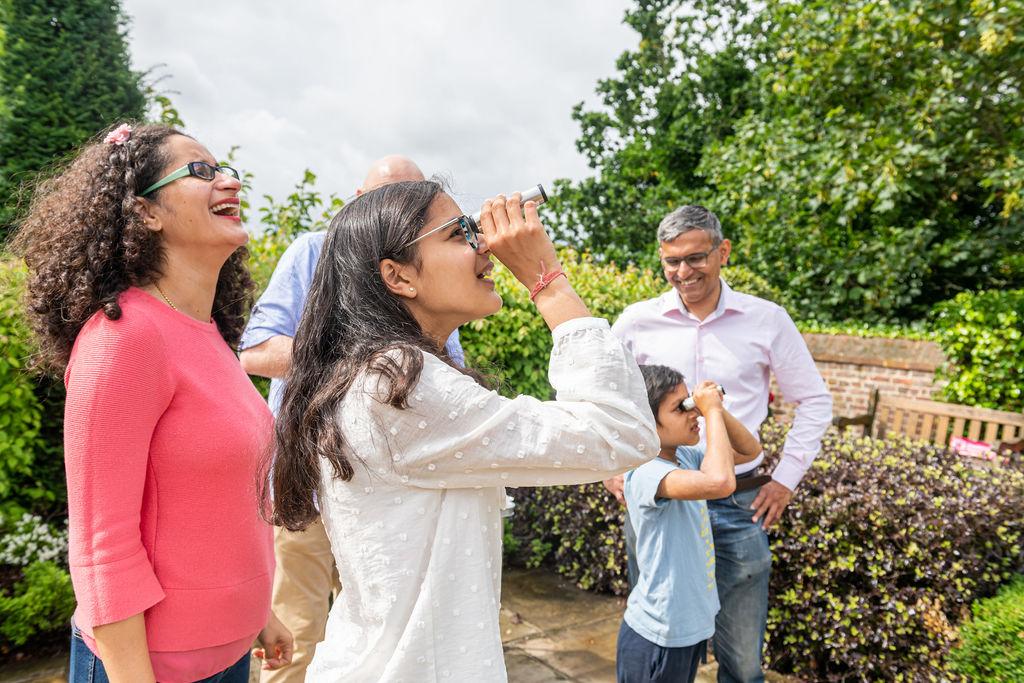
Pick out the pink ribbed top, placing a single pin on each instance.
(162, 435)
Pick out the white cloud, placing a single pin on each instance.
(482, 91)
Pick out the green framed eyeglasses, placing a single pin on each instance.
(199, 169)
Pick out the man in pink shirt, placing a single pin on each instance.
(706, 330)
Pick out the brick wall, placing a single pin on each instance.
(854, 366)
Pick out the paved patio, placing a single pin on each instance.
(552, 632)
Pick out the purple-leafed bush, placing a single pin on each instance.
(876, 560)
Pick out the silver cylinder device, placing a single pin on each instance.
(535, 193)
(690, 404)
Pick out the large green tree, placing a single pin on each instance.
(884, 172)
(684, 85)
(64, 74)
(865, 156)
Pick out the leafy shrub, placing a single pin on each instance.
(577, 529)
(982, 335)
(993, 639)
(20, 411)
(875, 562)
(41, 599)
(886, 545)
(515, 343)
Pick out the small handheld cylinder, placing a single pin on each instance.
(535, 193)
(690, 404)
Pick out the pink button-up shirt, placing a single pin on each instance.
(738, 345)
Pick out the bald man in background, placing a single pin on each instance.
(306, 577)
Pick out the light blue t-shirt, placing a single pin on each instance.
(675, 600)
(280, 306)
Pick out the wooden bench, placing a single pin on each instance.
(938, 422)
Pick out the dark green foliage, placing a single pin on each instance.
(887, 545)
(39, 601)
(577, 529)
(875, 561)
(864, 156)
(982, 336)
(992, 649)
(64, 75)
(882, 174)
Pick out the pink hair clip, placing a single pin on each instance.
(119, 135)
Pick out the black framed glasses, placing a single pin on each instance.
(199, 169)
(698, 260)
(470, 231)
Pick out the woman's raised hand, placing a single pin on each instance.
(517, 238)
(515, 235)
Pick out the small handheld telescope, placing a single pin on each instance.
(690, 404)
(535, 193)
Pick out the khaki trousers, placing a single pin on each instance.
(304, 583)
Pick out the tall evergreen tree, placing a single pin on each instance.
(64, 74)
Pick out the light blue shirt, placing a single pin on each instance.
(280, 306)
(675, 600)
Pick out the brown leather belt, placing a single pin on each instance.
(751, 481)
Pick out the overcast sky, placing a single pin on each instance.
(481, 91)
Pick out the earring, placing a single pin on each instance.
(412, 289)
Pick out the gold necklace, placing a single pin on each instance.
(165, 296)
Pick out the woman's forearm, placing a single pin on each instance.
(558, 303)
(124, 650)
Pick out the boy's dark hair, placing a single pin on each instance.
(659, 380)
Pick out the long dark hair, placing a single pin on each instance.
(350, 323)
(84, 244)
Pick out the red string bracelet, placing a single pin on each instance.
(544, 281)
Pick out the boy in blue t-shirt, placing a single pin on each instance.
(670, 614)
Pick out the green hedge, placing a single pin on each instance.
(40, 600)
(26, 480)
(875, 561)
(992, 648)
(982, 336)
(515, 344)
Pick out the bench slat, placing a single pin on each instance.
(974, 430)
(897, 421)
(958, 427)
(991, 432)
(926, 427)
(942, 431)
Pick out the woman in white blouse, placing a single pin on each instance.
(408, 454)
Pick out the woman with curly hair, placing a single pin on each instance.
(408, 454)
(137, 292)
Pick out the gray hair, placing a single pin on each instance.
(687, 218)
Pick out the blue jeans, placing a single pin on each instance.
(743, 564)
(638, 660)
(87, 668)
